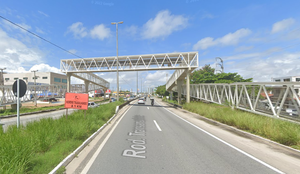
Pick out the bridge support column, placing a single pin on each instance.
(179, 86)
(188, 87)
(69, 82)
(86, 85)
(171, 95)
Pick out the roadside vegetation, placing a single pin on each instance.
(41, 145)
(281, 131)
(171, 101)
(29, 109)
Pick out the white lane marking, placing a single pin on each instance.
(147, 107)
(230, 145)
(157, 125)
(89, 164)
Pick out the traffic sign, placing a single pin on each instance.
(22, 88)
(76, 101)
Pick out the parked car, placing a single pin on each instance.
(53, 100)
(141, 101)
(292, 112)
(92, 105)
(112, 100)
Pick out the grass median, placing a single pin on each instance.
(281, 131)
(28, 109)
(41, 145)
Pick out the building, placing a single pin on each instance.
(287, 79)
(41, 78)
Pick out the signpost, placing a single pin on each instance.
(19, 88)
(76, 101)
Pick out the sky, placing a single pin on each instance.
(257, 39)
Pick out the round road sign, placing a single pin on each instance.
(23, 88)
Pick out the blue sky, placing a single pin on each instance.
(257, 39)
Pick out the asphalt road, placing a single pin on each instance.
(24, 119)
(150, 139)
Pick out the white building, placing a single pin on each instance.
(41, 78)
(287, 79)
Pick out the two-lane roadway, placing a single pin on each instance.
(151, 139)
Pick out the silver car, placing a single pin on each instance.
(141, 101)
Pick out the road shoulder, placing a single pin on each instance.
(281, 157)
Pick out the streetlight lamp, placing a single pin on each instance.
(116, 23)
(35, 104)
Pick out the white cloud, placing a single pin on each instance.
(157, 78)
(9, 26)
(45, 68)
(205, 43)
(100, 32)
(78, 30)
(73, 51)
(228, 39)
(163, 25)
(131, 30)
(282, 25)
(15, 54)
(38, 30)
(44, 14)
(263, 67)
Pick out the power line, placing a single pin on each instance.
(39, 36)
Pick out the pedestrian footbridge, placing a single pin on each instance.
(274, 99)
(182, 62)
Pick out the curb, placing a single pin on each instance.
(70, 157)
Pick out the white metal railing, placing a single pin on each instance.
(80, 88)
(93, 79)
(276, 99)
(178, 74)
(39, 91)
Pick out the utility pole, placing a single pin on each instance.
(2, 83)
(116, 23)
(141, 85)
(34, 77)
(166, 78)
(137, 83)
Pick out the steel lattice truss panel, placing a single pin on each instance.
(42, 91)
(166, 61)
(277, 99)
(80, 88)
(93, 79)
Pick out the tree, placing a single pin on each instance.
(206, 75)
(161, 90)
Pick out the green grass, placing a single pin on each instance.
(28, 109)
(33, 109)
(281, 131)
(41, 145)
(170, 101)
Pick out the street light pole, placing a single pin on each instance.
(35, 103)
(2, 83)
(116, 23)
